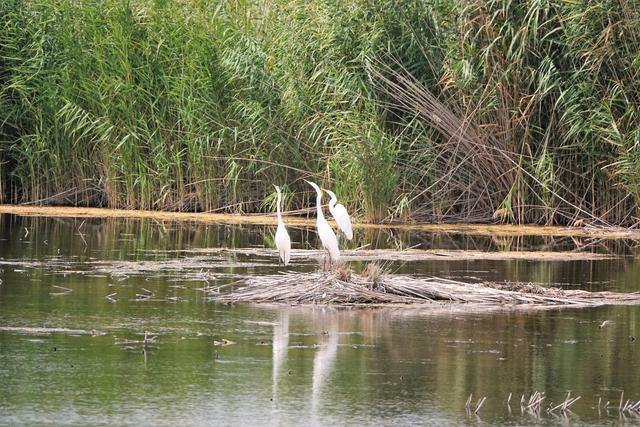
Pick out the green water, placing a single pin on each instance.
(289, 365)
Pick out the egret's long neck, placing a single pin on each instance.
(278, 208)
(319, 205)
(332, 203)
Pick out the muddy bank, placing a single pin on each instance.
(471, 229)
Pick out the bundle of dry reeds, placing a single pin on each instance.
(338, 288)
(322, 288)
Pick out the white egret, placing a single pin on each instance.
(327, 236)
(283, 242)
(340, 214)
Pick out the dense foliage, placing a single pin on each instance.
(433, 110)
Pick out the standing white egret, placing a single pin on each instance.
(283, 242)
(340, 214)
(327, 236)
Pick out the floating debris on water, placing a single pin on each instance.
(605, 323)
(48, 331)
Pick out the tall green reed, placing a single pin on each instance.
(433, 110)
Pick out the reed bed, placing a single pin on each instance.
(341, 288)
(444, 111)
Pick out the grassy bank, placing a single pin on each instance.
(525, 112)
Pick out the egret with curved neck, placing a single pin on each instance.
(325, 232)
(283, 242)
(340, 214)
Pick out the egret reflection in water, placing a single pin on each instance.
(280, 347)
(324, 358)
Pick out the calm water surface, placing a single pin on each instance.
(289, 365)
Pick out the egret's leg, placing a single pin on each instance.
(326, 260)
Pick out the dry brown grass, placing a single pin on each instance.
(343, 273)
(373, 273)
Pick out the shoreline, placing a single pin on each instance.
(265, 219)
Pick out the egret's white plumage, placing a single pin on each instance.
(325, 232)
(283, 242)
(340, 214)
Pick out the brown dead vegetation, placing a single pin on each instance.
(204, 217)
(329, 288)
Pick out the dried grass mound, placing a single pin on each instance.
(372, 287)
(319, 287)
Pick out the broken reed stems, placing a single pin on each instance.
(478, 404)
(65, 291)
(535, 401)
(146, 296)
(564, 406)
(628, 406)
(533, 404)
